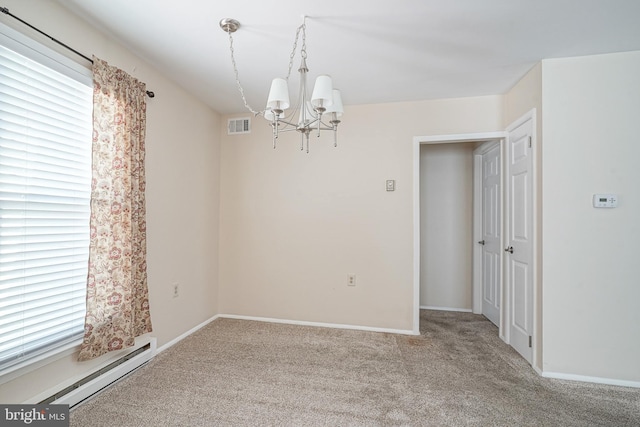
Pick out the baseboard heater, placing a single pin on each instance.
(104, 377)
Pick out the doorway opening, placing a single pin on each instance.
(449, 255)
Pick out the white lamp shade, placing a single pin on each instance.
(322, 92)
(336, 106)
(278, 95)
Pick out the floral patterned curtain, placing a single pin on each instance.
(117, 294)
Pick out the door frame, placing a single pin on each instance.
(440, 139)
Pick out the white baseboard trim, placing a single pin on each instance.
(431, 307)
(186, 334)
(320, 325)
(587, 379)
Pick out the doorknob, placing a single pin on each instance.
(509, 249)
(481, 242)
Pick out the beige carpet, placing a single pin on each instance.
(457, 372)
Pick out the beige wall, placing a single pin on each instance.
(182, 194)
(524, 96)
(591, 107)
(446, 220)
(294, 225)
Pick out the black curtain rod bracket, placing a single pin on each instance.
(4, 10)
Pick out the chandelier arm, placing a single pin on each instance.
(289, 125)
(327, 128)
(323, 125)
(235, 71)
(291, 129)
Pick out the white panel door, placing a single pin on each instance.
(519, 250)
(491, 224)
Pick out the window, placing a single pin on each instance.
(45, 179)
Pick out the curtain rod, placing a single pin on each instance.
(4, 10)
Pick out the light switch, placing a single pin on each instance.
(391, 185)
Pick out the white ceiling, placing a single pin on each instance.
(376, 51)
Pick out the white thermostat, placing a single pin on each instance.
(605, 200)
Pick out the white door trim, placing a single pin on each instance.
(417, 141)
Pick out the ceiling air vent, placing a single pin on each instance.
(236, 126)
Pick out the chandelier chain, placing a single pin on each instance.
(303, 51)
(235, 71)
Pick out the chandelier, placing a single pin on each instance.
(320, 112)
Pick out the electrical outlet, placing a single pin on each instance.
(351, 279)
(176, 289)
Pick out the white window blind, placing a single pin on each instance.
(45, 179)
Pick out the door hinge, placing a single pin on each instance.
(529, 341)
(529, 142)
